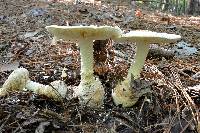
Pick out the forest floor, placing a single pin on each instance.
(172, 106)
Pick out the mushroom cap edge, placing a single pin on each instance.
(148, 37)
(76, 33)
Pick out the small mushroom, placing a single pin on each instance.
(123, 93)
(19, 80)
(90, 90)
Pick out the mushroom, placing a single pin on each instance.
(19, 80)
(90, 90)
(123, 93)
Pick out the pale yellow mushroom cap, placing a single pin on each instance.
(75, 33)
(148, 37)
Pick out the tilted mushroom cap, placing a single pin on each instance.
(75, 33)
(148, 37)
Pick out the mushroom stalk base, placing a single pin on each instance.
(15, 82)
(124, 94)
(91, 93)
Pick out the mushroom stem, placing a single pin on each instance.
(90, 90)
(140, 57)
(123, 93)
(56, 90)
(87, 59)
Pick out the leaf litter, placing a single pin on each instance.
(172, 106)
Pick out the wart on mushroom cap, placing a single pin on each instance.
(123, 93)
(90, 90)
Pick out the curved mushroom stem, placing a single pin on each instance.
(123, 93)
(140, 57)
(90, 90)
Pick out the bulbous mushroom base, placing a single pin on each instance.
(123, 94)
(16, 81)
(91, 93)
(3, 91)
